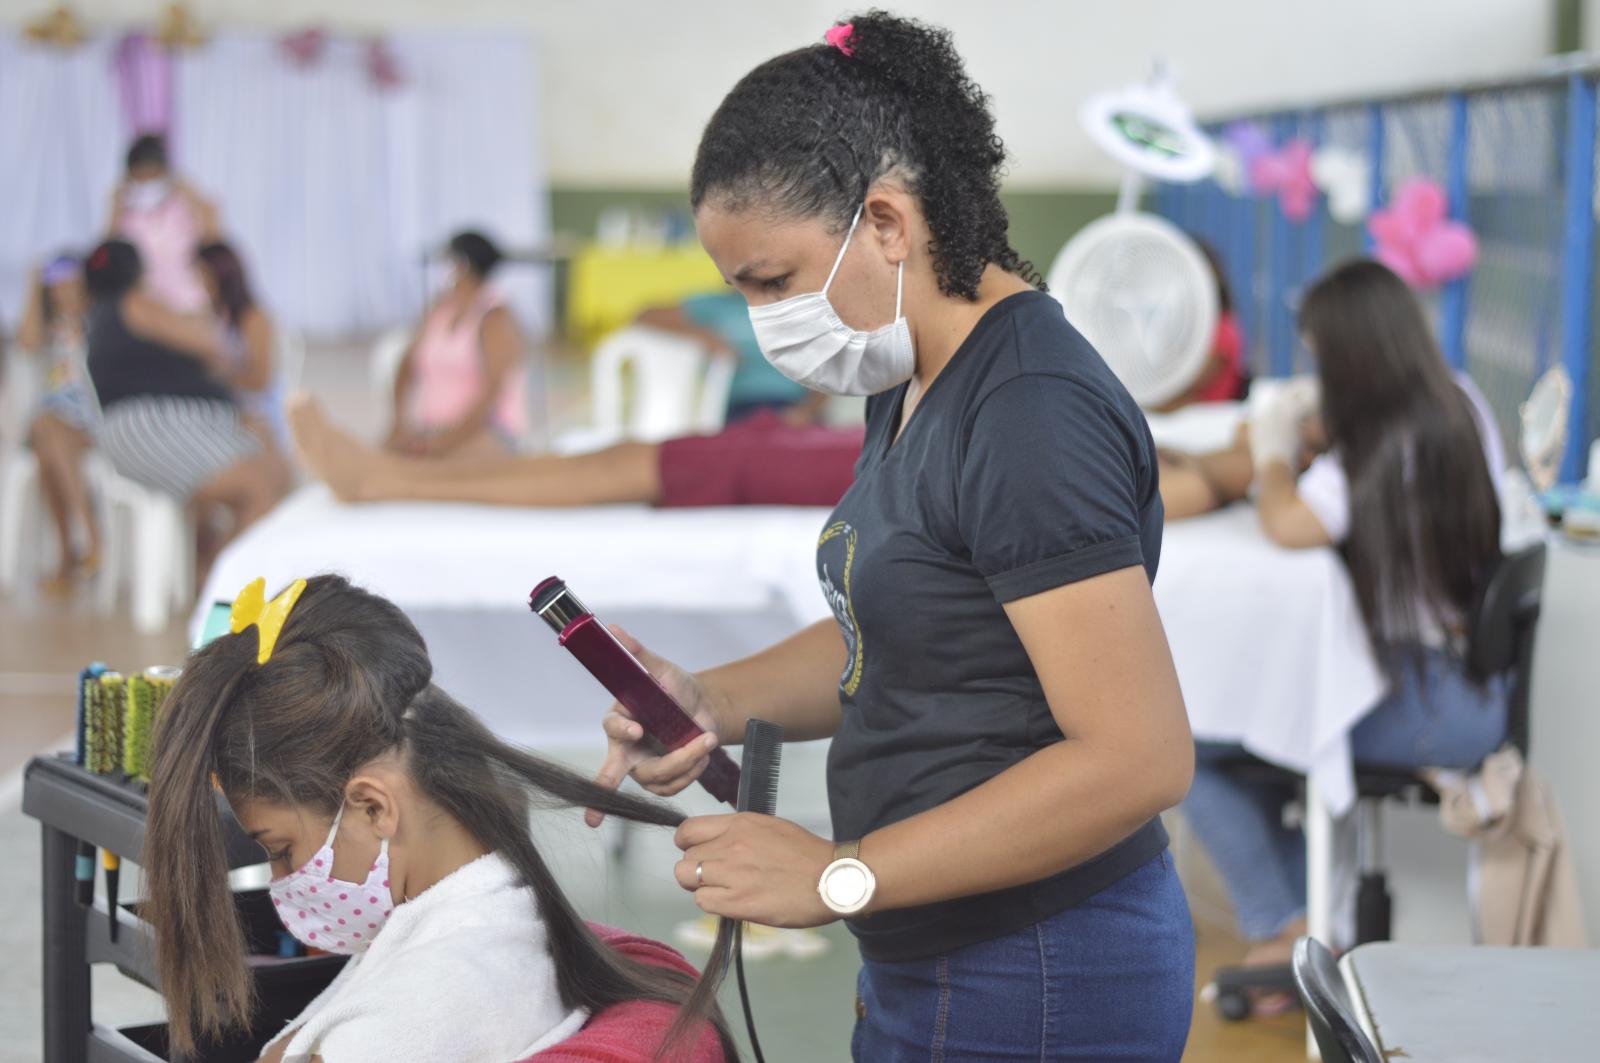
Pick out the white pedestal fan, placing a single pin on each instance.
(1137, 288)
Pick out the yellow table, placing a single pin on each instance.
(610, 285)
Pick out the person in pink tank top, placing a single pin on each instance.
(459, 390)
(167, 221)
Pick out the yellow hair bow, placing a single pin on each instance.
(252, 607)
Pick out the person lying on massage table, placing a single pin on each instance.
(764, 460)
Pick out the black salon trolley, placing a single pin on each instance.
(73, 805)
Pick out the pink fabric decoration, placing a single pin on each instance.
(839, 37)
(1286, 172)
(304, 48)
(1416, 238)
(143, 71)
(382, 66)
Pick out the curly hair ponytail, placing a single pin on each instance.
(808, 132)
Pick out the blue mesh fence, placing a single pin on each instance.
(1504, 156)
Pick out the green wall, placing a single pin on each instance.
(1041, 220)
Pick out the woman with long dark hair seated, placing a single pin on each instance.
(169, 421)
(1407, 490)
(250, 340)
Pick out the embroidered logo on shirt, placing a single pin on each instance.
(841, 534)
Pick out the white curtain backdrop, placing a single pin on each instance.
(335, 189)
(61, 146)
(332, 188)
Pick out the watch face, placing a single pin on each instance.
(847, 885)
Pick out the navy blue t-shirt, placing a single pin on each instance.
(1025, 467)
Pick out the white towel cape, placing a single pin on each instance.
(460, 974)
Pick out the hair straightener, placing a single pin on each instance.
(663, 719)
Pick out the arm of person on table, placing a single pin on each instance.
(1126, 756)
(502, 347)
(675, 320)
(1285, 518)
(794, 684)
(1276, 438)
(195, 335)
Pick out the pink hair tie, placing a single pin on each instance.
(839, 37)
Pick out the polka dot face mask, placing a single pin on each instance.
(325, 913)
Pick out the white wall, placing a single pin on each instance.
(631, 82)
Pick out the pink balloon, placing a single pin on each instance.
(1296, 201)
(1445, 253)
(1390, 227)
(1399, 260)
(1266, 174)
(1423, 201)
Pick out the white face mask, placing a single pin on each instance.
(325, 913)
(147, 195)
(804, 340)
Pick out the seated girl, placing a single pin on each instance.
(1407, 490)
(53, 328)
(397, 827)
(250, 341)
(1222, 377)
(168, 420)
(764, 460)
(459, 390)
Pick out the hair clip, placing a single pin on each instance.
(839, 37)
(251, 607)
(100, 257)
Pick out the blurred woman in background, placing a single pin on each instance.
(459, 391)
(250, 341)
(168, 419)
(53, 328)
(166, 220)
(1407, 489)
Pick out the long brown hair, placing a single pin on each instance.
(1424, 518)
(350, 680)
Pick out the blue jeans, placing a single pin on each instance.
(1109, 979)
(1434, 717)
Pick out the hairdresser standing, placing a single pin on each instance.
(1005, 717)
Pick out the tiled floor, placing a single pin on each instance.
(804, 1008)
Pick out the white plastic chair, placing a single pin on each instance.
(383, 364)
(291, 359)
(149, 545)
(678, 389)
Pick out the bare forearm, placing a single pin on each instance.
(794, 684)
(1064, 804)
(673, 319)
(30, 331)
(1275, 493)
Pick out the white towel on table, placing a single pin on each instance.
(460, 973)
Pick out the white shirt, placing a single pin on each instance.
(461, 973)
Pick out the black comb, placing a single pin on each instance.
(758, 774)
(758, 792)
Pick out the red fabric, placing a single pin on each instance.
(1228, 344)
(760, 461)
(630, 1032)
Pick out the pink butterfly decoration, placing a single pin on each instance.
(1417, 239)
